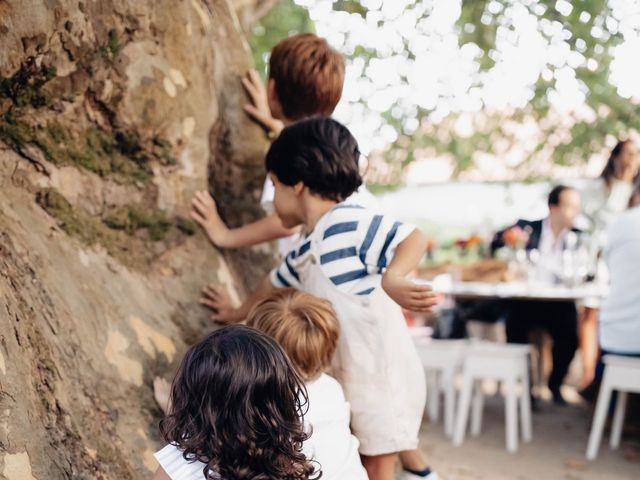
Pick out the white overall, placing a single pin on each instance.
(376, 362)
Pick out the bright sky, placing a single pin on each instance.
(447, 78)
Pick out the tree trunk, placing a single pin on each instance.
(112, 114)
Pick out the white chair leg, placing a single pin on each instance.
(449, 404)
(618, 420)
(476, 408)
(599, 418)
(433, 393)
(464, 402)
(525, 408)
(511, 413)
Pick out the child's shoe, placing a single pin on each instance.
(426, 474)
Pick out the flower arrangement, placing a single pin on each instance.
(470, 245)
(469, 242)
(430, 247)
(515, 237)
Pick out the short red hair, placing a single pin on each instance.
(308, 75)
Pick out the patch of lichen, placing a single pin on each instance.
(114, 151)
(15, 133)
(123, 231)
(90, 230)
(93, 149)
(186, 225)
(113, 44)
(76, 222)
(133, 218)
(24, 88)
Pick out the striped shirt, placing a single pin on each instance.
(356, 246)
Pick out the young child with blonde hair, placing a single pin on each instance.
(307, 329)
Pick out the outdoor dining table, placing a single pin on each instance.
(518, 291)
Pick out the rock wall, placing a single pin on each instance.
(112, 113)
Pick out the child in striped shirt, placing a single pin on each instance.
(358, 260)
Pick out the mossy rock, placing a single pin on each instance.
(186, 225)
(133, 218)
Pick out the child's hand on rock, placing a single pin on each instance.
(217, 299)
(205, 213)
(259, 109)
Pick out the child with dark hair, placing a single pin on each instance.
(358, 260)
(237, 407)
(306, 76)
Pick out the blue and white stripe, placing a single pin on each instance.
(356, 246)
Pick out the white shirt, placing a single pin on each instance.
(331, 443)
(603, 204)
(551, 248)
(362, 196)
(620, 313)
(549, 244)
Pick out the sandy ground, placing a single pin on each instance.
(557, 450)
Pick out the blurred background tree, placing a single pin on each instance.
(285, 19)
(534, 84)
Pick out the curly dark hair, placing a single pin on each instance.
(319, 152)
(237, 406)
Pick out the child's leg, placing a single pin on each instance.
(413, 460)
(380, 467)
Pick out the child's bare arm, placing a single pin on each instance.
(160, 475)
(217, 299)
(205, 213)
(412, 296)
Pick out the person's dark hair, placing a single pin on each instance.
(237, 406)
(634, 199)
(319, 152)
(609, 170)
(554, 195)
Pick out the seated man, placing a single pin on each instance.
(559, 318)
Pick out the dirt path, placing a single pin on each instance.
(556, 452)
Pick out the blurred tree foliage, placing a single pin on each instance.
(283, 20)
(587, 27)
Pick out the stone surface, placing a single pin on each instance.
(112, 114)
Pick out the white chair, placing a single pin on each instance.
(441, 359)
(507, 363)
(623, 375)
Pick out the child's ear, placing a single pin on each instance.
(273, 100)
(298, 188)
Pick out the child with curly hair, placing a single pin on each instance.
(237, 408)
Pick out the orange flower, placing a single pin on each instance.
(473, 240)
(515, 237)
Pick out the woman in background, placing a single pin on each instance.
(603, 203)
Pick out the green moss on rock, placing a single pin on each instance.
(75, 223)
(134, 218)
(186, 225)
(24, 88)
